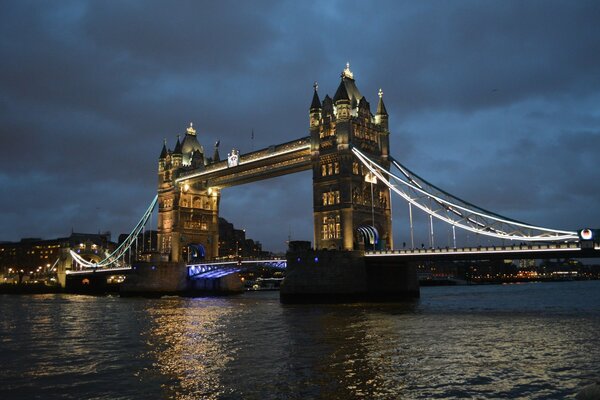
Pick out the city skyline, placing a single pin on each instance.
(493, 102)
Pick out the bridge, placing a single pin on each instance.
(530, 251)
(354, 179)
(217, 269)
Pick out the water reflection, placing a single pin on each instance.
(537, 342)
(255, 348)
(190, 346)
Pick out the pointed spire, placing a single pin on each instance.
(316, 103)
(364, 103)
(341, 93)
(216, 156)
(380, 106)
(163, 153)
(177, 149)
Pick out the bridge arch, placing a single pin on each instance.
(368, 236)
(196, 251)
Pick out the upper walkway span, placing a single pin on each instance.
(270, 162)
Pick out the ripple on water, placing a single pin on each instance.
(520, 341)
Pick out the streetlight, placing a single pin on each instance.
(371, 178)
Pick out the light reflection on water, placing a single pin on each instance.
(526, 341)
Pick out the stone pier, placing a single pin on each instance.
(168, 278)
(334, 276)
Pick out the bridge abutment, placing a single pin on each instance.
(170, 278)
(333, 276)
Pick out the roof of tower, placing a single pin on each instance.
(177, 149)
(380, 106)
(316, 103)
(190, 145)
(163, 153)
(363, 102)
(349, 86)
(341, 93)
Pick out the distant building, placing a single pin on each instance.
(147, 242)
(35, 254)
(233, 242)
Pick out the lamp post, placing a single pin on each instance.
(412, 236)
(371, 178)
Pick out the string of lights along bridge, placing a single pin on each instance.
(354, 179)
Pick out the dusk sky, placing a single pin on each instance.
(497, 102)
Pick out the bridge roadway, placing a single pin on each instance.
(528, 251)
(117, 270)
(270, 162)
(219, 268)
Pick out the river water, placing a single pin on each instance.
(528, 341)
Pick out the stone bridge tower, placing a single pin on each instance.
(351, 209)
(187, 213)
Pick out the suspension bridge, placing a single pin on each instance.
(355, 178)
(532, 241)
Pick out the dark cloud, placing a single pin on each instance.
(493, 101)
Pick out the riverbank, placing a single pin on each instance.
(29, 288)
(491, 281)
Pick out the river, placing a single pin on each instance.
(522, 341)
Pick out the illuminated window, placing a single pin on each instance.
(331, 227)
(336, 167)
(330, 168)
(355, 169)
(331, 198)
(323, 170)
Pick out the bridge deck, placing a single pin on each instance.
(565, 250)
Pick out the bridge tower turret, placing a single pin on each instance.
(351, 209)
(188, 212)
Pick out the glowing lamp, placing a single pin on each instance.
(586, 234)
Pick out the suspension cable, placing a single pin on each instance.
(486, 227)
(120, 251)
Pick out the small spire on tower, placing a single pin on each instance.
(316, 102)
(191, 130)
(216, 156)
(177, 149)
(347, 73)
(163, 153)
(380, 106)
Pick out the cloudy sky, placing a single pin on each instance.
(497, 102)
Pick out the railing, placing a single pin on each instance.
(479, 249)
(217, 269)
